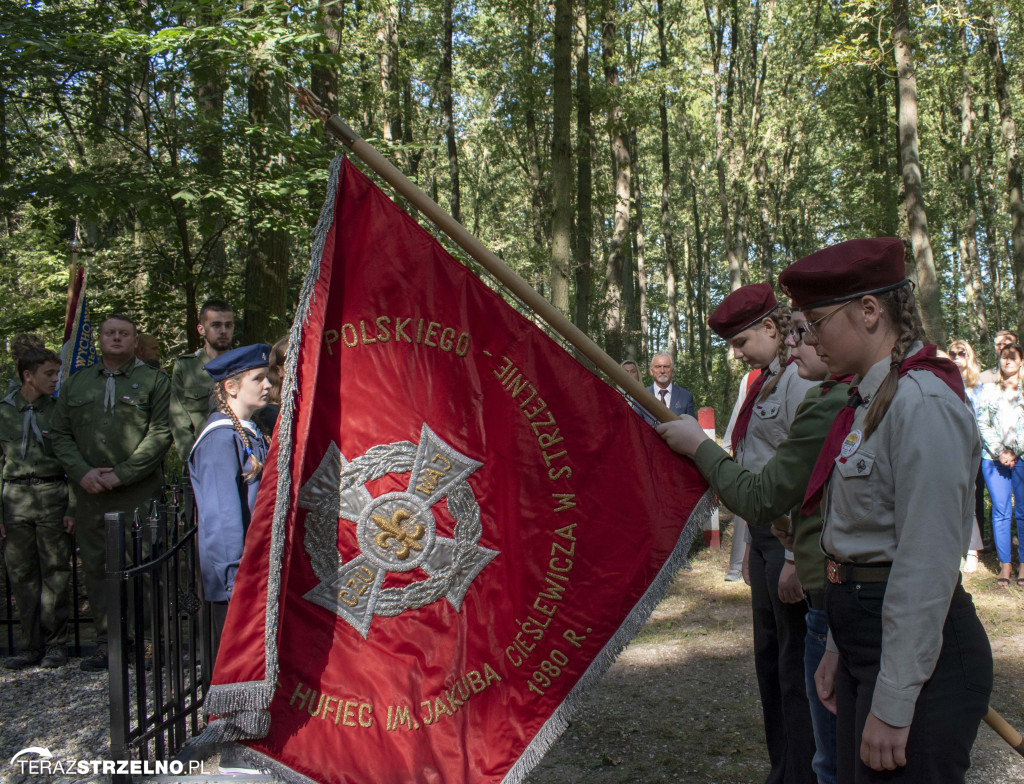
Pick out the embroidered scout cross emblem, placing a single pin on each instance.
(396, 532)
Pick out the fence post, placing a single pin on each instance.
(117, 640)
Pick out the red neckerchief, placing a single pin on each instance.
(739, 430)
(925, 359)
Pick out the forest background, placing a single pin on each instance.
(633, 160)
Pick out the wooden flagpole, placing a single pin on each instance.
(524, 291)
(1005, 731)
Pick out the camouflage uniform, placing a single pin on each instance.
(132, 438)
(35, 501)
(190, 400)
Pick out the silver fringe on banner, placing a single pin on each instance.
(242, 707)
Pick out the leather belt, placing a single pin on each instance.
(839, 573)
(35, 480)
(815, 599)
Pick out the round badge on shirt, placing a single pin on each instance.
(851, 444)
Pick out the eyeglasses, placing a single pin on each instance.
(814, 326)
(796, 336)
(958, 354)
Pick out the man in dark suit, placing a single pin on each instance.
(679, 400)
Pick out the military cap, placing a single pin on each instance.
(742, 309)
(845, 271)
(238, 360)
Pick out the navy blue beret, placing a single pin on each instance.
(238, 360)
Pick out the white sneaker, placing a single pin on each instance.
(971, 561)
(733, 576)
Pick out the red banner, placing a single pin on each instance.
(458, 528)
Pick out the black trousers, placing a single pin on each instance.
(779, 631)
(979, 504)
(951, 703)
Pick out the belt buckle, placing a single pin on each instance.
(834, 572)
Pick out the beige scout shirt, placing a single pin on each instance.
(769, 424)
(906, 495)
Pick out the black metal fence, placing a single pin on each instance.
(159, 629)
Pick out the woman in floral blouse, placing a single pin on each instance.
(1000, 411)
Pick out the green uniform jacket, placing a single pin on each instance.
(133, 438)
(190, 400)
(39, 460)
(779, 488)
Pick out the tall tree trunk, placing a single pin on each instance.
(668, 240)
(923, 261)
(208, 74)
(638, 318)
(583, 268)
(448, 106)
(689, 303)
(1013, 166)
(324, 77)
(534, 167)
(387, 62)
(697, 283)
(619, 241)
(366, 100)
(974, 285)
(268, 254)
(983, 179)
(6, 204)
(723, 116)
(766, 238)
(561, 156)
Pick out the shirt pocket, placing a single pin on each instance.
(134, 410)
(81, 405)
(857, 500)
(196, 397)
(767, 410)
(138, 400)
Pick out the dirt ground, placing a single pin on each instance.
(681, 703)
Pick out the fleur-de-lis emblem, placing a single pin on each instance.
(406, 541)
(395, 532)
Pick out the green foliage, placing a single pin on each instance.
(137, 128)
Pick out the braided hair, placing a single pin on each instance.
(907, 320)
(219, 390)
(782, 317)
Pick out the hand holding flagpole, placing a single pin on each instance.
(575, 336)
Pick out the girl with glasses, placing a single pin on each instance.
(908, 667)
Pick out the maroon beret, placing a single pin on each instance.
(845, 271)
(743, 308)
